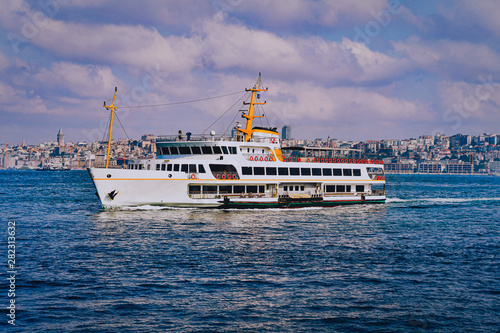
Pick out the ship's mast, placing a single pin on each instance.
(249, 117)
(111, 107)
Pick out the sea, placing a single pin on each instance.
(426, 261)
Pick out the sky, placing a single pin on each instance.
(345, 69)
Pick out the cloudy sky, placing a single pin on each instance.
(348, 69)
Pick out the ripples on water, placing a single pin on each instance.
(426, 260)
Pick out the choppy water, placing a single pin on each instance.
(428, 260)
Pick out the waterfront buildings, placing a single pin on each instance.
(456, 154)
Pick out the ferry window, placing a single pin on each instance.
(248, 150)
(348, 188)
(337, 172)
(141, 166)
(232, 150)
(163, 166)
(209, 189)
(253, 151)
(297, 188)
(174, 151)
(305, 171)
(327, 172)
(184, 168)
(251, 189)
(176, 167)
(330, 188)
(262, 189)
(356, 172)
(347, 172)
(196, 150)
(246, 170)
(207, 150)
(316, 171)
(285, 188)
(224, 150)
(165, 151)
(360, 188)
(169, 167)
(239, 189)
(294, 171)
(225, 189)
(258, 171)
(194, 189)
(228, 168)
(201, 168)
(192, 168)
(271, 171)
(283, 171)
(217, 150)
(184, 150)
(157, 167)
(262, 151)
(340, 188)
(302, 188)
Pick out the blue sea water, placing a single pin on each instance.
(427, 260)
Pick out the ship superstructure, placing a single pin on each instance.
(251, 170)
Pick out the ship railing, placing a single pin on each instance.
(193, 137)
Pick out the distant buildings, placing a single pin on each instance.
(286, 132)
(456, 154)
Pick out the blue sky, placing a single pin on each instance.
(353, 70)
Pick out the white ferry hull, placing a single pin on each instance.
(126, 187)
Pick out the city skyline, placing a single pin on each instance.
(347, 69)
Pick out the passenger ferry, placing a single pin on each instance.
(251, 170)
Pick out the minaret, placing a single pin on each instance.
(60, 138)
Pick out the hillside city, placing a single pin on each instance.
(456, 154)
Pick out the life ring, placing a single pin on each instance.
(251, 158)
(341, 161)
(218, 176)
(307, 160)
(299, 159)
(193, 176)
(261, 158)
(223, 176)
(271, 158)
(350, 161)
(289, 159)
(273, 140)
(329, 160)
(235, 177)
(266, 159)
(365, 161)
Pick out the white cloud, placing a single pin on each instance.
(457, 60)
(484, 13)
(83, 80)
(279, 13)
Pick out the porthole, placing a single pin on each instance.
(108, 175)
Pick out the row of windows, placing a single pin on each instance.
(189, 168)
(227, 189)
(343, 188)
(197, 150)
(282, 171)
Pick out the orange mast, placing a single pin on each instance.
(111, 107)
(248, 128)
